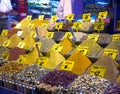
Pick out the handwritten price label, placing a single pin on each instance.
(57, 47)
(93, 37)
(82, 49)
(31, 26)
(42, 60)
(68, 35)
(6, 43)
(29, 17)
(5, 56)
(102, 15)
(98, 71)
(59, 25)
(70, 17)
(86, 17)
(116, 37)
(67, 65)
(54, 18)
(41, 17)
(22, 59)
(50, 35)
(33, 34)
(99, 26)
(77, 25)
(110, 52)
(4, 32)
(21, 44)
(45, 25)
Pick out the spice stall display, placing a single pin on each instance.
(81, 63)
(104, 67)
(54, 59)
(86, 84)
(30, 75)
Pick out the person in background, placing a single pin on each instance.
(5, 11)
(67, 7)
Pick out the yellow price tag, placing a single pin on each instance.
(19, 33)
(21, 44)
(77, 25)
(70, 17)
(82, 49)
(68, 35)
(57, 47)
(93, 37)
(102, 15)
(99, 26)
(98, 71)
(33, 34)
(22, 59)
(59, 25)
(4, 32)
(67, 65)
(18, 26)
(116, 37)
(6, 43)
(31, 26)
(45, 25)
(41, 61)
(41, 17)
(29, 17)
(38, 45)
(111, 53)
(118, 25)
(54, 18)
(86, 17)
(50, 35)
(5, 55)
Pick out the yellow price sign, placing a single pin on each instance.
(19, 33)
(70, 17)
(31, 26)
(5, 55)
(54, 18)
(116, 37)
(93, 37)
(98, 71)
(29, 17)
(82, 49)
(102, 15)
(21, 44)
(22, 59)
(118, 25)
(50, 35)
(67, 65)
(6, 43)
(68, 35)
(59, 25)
(4, 32)
(18, 26)
(38, 45)
(111, 53)
(57, 47)
(33, 34)
(86, 17)
(45, 25)
(41, 17)
(41, 61)
(99, 26)
(77, 25)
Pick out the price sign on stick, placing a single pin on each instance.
(102, 15)
(77, 25)
(93, 37)
(5, 55)
(50, 35)
(21, 44)
(111, 53)
(57, 47)
(22, 59)
(98, 71)
(45, 25)
(99, 26)
(68, 35)
(29, 17)
(41, 17)
(70, 17)
(116, 37)
(6, 43)
(54, 18)
(4, 32)
(82, 49)
(67, 65)
(42, 60)
(86, 17)
(59, 26)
